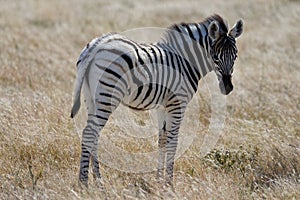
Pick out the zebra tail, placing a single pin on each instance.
(84, 61)
(83, 64)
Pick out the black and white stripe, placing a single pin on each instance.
(163, 76)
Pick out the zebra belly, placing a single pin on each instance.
(145, 97)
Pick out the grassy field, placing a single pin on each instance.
(257, 156)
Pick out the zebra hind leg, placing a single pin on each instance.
(95, 167)
(96, 121)
(89, 136)
(89, 148)
(95, 162)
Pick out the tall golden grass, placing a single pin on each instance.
(257, 156)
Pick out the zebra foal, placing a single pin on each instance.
(164, 76)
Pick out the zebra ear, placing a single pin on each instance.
(213, 30)
(237, 29)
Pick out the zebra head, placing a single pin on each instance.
(224, 51)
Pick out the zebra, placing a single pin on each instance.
(164, 76)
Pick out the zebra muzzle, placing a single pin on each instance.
(226, 85)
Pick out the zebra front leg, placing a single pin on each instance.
(162, 140)
(175, 116)
(171, 146)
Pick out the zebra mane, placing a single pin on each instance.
(222, 24)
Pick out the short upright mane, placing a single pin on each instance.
(222, 24)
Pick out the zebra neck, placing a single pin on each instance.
(190, 42)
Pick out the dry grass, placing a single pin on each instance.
(257, 157)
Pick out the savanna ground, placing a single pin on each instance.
(256, 157)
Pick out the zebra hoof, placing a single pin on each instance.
(169, 185)
(169, 191)
(83, 184)
(99, 183)
(159, 177)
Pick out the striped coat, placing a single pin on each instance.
(164, 76)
